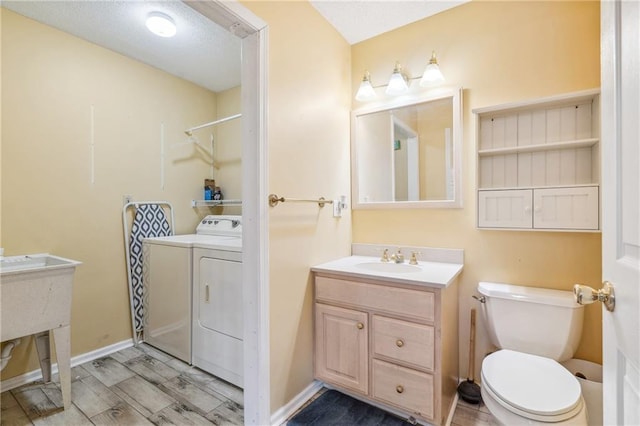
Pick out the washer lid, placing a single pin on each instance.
(531, 383)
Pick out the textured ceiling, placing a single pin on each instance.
(203, 52)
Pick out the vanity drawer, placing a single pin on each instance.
(400, 301)
(404, 341)
(403, 387)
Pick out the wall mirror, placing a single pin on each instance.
(408, 154)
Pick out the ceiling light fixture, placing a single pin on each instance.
(432, 74)
(161, 25)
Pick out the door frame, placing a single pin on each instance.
(253, 32)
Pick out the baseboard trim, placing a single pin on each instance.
(452, 410)
(34, 375)
(280, 416)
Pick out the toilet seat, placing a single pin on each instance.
(531, 386)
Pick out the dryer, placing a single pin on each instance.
(217, 302)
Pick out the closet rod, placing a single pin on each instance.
(189, 132)
(274, 200)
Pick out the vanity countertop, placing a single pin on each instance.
(430, 274)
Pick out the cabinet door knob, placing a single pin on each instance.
(360, 326)
(399, 388)
(399, 343)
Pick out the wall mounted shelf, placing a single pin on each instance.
(215, 203)
(538, 164)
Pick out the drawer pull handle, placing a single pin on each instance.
(206, 293)
(399, 388)
(360, 326)
(399, 343)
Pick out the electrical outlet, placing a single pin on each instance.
(126, 199)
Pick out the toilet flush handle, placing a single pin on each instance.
(480, 299)
(585, 295)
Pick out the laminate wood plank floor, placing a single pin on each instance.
(135, 386)
(143, 386)
(472, 415)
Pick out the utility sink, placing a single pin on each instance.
(30, 262)
(35, 299)
(394, 268)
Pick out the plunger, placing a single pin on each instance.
(468, 390)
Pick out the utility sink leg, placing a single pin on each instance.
(62, 337)
(43, 346)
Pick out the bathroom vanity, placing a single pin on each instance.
(388, 334)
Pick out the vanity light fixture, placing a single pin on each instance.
(161, 24)
(432, 74)
(398, 83)
(365, 91)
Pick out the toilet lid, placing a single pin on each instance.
(532, 385)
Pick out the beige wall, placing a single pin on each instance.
(498, 52)
(50, 81)
(227, 149)
(308, 130)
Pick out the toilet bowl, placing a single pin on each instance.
(535, 329)
(520, 388)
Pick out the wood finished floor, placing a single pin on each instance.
(135, 386)
(472, 415)
(143, 386)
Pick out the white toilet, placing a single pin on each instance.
(535, 329)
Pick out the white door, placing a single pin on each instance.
(620, 46)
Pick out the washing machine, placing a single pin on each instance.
(169, 269)
(217, 302)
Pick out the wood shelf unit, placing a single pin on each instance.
(538, 164)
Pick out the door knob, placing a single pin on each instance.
(585, 295)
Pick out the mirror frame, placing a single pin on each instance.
(432, 95)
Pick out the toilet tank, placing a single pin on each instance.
(533, 320)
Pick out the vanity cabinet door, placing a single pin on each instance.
(342, 355)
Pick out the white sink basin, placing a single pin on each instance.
(425, 273)
(21, 263)
(394, 268)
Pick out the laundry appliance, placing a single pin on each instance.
(193, 296)
(217, 301)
